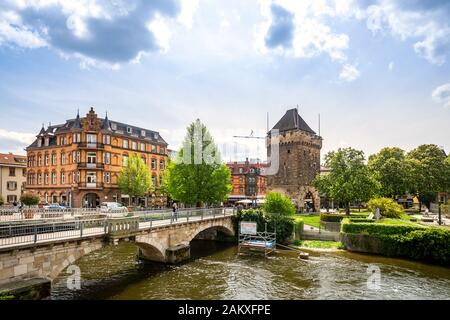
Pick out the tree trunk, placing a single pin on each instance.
(347, 208)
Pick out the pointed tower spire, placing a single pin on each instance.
(42, 132)
(106, 125)
(77, 122)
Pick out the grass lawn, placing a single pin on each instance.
(319, 244)
(312, 220)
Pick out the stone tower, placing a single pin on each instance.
(299, 160)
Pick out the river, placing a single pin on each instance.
(215, 271)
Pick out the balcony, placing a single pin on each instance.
(90, 145)
(90, 185)
(86, 165)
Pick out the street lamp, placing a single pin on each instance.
(439, 212)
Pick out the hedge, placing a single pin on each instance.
(326, 217)
(365, 220)
(298, 227)
(377, 229)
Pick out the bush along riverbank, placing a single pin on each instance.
(405, 240)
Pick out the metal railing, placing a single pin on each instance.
(29, 232)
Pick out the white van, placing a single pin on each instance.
(114, 209)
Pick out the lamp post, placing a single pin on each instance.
(439, 212)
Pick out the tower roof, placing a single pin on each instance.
(77, 122)
(292, 121)
(106, 125)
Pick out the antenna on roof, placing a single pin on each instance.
(319, 124)
(267, 121)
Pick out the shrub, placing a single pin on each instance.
(283, 225)
(331, 217)
(29, 199)
(364, 220)
(2, 202)
(377, 228)
(388, 207)
(276, 203)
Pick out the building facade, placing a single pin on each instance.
(247, 180)
(299, 160)
(78, 163)
(13, 172)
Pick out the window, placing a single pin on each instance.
(91, 138)
(106, 139)
(39, 178)
(161, 180)
(143, 133)
(54, 178)
(129, 130)
(39, 161)
(46, 160)
(76, 177)
(114, 126)
(47, 142)
(107, 158)
(134, 145)
(125, 144)
(11, 185)
(64, 140)
(78, 156)
(161, 164)
(11, 198)
(46, 178)
(153, 148)
(143, 147)
(154, 180)
(91, 178)
(91, 157)
(12, 172)
(54, 159)
(153, 164)
(63, 178)
(63, 158)
(107, 177)
(76, 137)
(39, 142)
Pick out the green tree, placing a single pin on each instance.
(429, 171)
(391, 169)
(276, 203)
(134, 179)
(197, 175)
(349, 178)
(388, 207)
(29, 199)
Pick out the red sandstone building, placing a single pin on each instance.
(247, 181)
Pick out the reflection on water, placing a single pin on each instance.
(217, 272)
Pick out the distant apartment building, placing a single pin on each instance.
(78, 163)
(247, 181)
(13, 172)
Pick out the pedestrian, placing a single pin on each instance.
(175, 211)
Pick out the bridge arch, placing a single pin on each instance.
(210, 231)
(151, 249)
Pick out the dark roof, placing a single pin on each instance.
(292, 121)
(114, 127)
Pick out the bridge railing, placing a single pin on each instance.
(35, 231)
(32, 232)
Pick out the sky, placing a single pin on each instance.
(377, 72)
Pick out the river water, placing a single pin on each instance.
(215, 271)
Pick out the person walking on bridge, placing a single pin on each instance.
(175, 212)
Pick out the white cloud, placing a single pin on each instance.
(442, 95)
(391, 66)
(188, 10)
(349, 73)
(428, 28)
(19, 137)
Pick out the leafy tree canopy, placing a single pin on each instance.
(134, 179)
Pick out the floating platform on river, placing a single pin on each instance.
(261, 241)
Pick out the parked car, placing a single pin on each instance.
(54, 206)
(114, 209)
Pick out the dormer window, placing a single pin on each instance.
(155, 135)
(129, 129)
(114, 126)
(143, 133)
(47, 142)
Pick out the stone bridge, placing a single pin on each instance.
(44, 249)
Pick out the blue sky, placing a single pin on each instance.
(376, 71)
